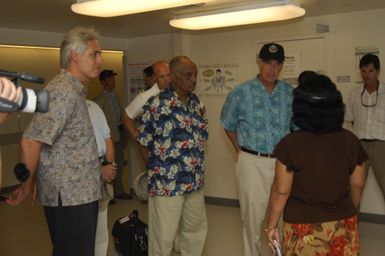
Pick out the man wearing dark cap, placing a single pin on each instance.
(108, 101)
(255, 116)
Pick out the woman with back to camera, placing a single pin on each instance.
(319, 177)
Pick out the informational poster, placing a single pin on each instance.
(359, 52)
(134, 77)
(290, 70)
(217, 79)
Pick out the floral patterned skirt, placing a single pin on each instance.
(333, 238)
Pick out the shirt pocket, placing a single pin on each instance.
(380, 111)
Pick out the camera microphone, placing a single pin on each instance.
(23, 76)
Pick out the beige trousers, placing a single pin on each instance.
(254, 178)
(376, 153)
(169, 215)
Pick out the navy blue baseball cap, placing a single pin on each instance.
(272, 51)
(106, 73)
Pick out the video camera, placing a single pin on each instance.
(30, 100)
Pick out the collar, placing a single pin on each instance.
(263, 87)
(81, 88)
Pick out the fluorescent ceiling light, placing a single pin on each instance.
(242, 15)
(47, 48)
(111, 8)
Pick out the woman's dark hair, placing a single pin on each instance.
(148, 71)
(318, 105)
(304, 75)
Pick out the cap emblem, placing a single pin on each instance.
(273, 48)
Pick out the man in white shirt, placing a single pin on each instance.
(106, 156)
(366, 111)
(135, 108)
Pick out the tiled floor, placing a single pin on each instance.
(23, 230)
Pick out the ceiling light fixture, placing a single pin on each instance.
(241, 15)
(111, 8)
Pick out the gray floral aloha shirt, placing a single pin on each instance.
(69, 163)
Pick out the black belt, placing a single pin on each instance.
(369, 140)
(257, 153)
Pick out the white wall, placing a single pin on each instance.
(150, 49)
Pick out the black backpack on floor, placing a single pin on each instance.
(130, 235)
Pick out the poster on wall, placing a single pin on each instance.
(217, 79)
(135, 81)
(359, 52)
(290, 70)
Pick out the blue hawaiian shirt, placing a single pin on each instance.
(174, 134)
(260, 119)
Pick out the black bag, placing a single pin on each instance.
(130, 235)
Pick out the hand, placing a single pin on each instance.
(272, 234)
(203, 109)
(8, 90)
(108, 172)
(19, 194)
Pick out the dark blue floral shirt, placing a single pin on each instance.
(174, 133)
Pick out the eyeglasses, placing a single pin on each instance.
(371, 105)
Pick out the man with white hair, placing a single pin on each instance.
(59, 149)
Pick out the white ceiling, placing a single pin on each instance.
(56, 16)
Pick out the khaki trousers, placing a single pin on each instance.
(254, 178)
(376, 153)
(184, 214)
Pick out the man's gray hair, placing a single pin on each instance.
(76, 40)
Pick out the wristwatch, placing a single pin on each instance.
(113, 163)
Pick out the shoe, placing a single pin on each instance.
(112, 201)
(123, 196)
